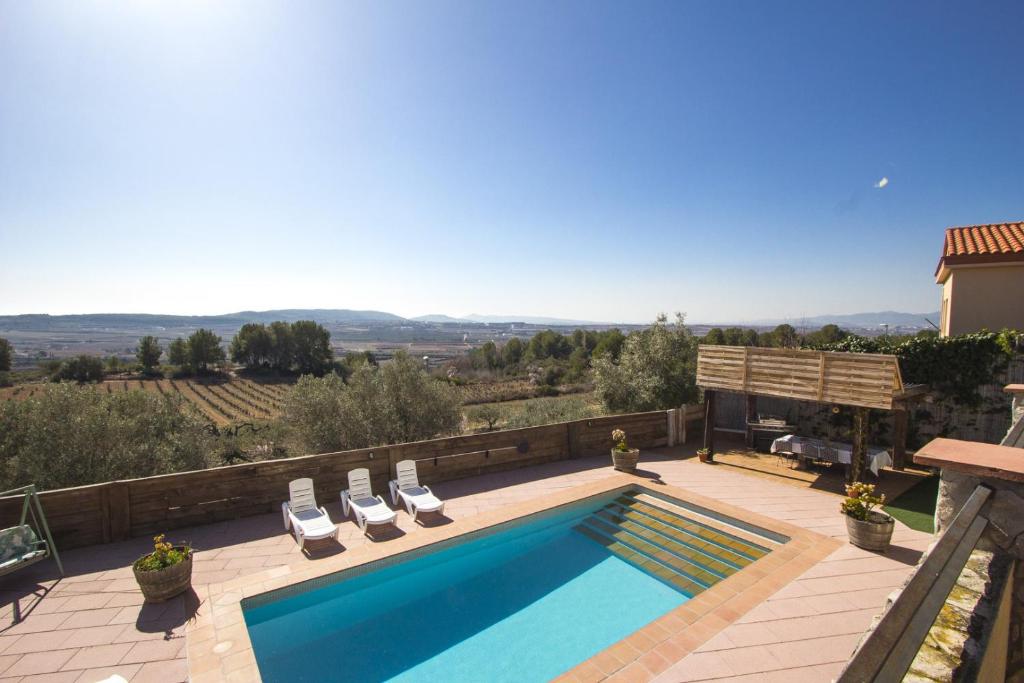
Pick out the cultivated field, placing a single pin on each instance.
(221, 401)
(224, 401)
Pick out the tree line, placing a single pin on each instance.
(783, 336)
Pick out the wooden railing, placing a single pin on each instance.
(118, 510)
(886, 654)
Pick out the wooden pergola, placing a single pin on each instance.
(859, 380)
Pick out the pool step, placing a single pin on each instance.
(640, 560)
(744, 552)
(687, 554)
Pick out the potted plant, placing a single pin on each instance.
(624, 458)
(705, 455)
(165, 572)
(867, 527)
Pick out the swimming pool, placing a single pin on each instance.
(524, 602)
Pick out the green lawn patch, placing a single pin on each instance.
(916, 507)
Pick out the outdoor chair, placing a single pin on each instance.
(301, 514)
(406, 486)
(367, 508)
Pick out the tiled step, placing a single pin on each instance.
(672, 542)
(645, 563)
(686, 537)
(754, 538)
(693, 572)
(738, 550)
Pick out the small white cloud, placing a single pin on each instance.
(881, 183)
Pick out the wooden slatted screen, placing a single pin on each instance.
(855, 379)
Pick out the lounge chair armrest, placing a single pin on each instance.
(426, 488)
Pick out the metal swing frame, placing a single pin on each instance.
(32, 505)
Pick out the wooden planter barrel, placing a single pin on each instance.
(162, 585)
(626, 461)
(875, 533)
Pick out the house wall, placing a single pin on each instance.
(983, 297)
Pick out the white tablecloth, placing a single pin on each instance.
(790, 443)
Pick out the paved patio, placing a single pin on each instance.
(92, 623)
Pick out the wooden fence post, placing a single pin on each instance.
(709, 420)
(899, 437)
(751, 416)
(673, 421)
(118, 510)
(683, 410)
(860, 438)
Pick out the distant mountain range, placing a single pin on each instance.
(54, 323)
(863, 320)
(342, 316)
(505, 319)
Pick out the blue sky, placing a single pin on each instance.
(577, 159)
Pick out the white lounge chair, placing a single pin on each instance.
(368, 508)
(303, 517)
(407, 486)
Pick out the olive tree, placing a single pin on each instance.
(656, 370)
(70, 435)
(394, 403)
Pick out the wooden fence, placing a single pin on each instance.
(856, 379)
(118, 510)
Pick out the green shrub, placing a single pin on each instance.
(70, 435)
(80, 369)
(396, 402)
(656, 370)
(957, 366)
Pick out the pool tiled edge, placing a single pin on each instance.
(219, 649)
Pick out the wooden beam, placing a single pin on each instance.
(751, 417)
(709, 420)
(858, 460)
(899, 437)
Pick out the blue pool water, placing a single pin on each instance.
(523, 604)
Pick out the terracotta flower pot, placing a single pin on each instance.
(874, 533)
(705, 456)
(625, 461)
(164, 584)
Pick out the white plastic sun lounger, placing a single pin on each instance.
(406, 486)
(303, 517)
(367, 508)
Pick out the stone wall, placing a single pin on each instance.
(1004, 534)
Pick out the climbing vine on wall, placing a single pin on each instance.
(957, 366)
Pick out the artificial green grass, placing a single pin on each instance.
(916, 507)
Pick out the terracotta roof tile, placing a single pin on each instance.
(972, 244)
(1005, 238)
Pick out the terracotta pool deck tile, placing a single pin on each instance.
(496, 498)
(162, 672)
(97, 656)
(54, 677)
(154, 651)
(126, 671)
(39, 663)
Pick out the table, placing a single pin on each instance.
(877, 458)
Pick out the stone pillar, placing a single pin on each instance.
(1001, 469)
